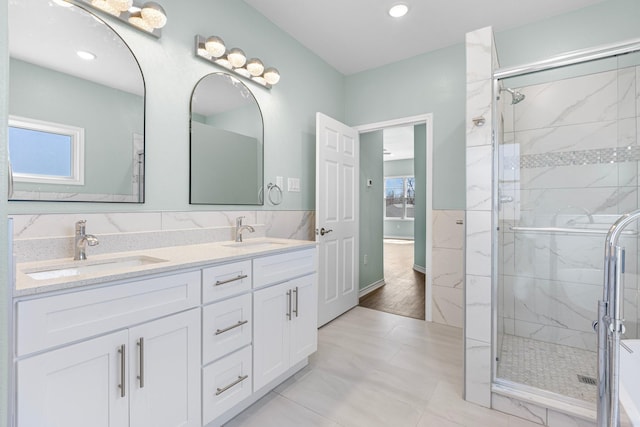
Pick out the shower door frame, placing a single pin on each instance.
(562, 60)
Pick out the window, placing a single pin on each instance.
(45, 152)
(399, 197)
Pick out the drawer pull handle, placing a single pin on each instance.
(123, 378)
(219, 391)
(240, 323)
(239, 277)
(141, 356)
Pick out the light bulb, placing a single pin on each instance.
(236, 57)
(215, 46)
(255, 66)
(243, 72)
(120, 5)
(136, 19)
(224, 62)
(260, 80)
(272, 75)
(154, 14)
(105, 7)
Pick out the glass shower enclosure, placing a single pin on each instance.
(565, 168)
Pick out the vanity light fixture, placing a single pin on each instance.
(149, 17)
(213, 49)
(398, 10)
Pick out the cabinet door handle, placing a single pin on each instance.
(289, 298)
(233, 279)
(295, 291)
(219, 391)
(123, 377)
(240, 323)
(141, 356)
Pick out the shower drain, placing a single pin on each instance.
(587, 380)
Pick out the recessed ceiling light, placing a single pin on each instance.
(398, 10)
(87, 56)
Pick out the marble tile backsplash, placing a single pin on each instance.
(50, 236)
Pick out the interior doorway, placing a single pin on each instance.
(395, 215)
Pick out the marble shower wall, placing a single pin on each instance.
(569, 159)
(481, 61)
(50, 236)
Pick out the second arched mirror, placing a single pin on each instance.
(226, 143)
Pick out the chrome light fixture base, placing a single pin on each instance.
(252, 70)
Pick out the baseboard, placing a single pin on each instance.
(398, 237)
(370, 288)
(419, 269)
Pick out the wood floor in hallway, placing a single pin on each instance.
(404, 289)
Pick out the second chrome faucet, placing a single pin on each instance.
(82, 240)
(240, 228)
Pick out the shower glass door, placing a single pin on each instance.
(567, 167)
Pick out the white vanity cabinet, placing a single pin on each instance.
(146, 375)
(285, 317)
(190, 348)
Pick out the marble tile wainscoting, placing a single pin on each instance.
(448, 267)
(50, 236)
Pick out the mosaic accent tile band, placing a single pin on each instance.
(571, 158)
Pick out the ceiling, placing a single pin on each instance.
(397, 143)
(357, 35)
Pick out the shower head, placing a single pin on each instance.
(515, 95)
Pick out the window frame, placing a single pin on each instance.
(404, 216)
(77, 151)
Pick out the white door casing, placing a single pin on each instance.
(337, 217)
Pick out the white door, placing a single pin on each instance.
(165, 372)
(337, 170)
(75, 386)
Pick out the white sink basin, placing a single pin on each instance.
(253, 244)
(77, 268)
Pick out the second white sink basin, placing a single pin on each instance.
(76, 268)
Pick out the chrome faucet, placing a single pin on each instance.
(240, 228)
(82, 240)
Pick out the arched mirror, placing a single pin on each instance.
(226, 143)
(76, 107)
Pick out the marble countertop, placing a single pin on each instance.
(167, 259)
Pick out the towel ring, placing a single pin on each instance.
(278, 197)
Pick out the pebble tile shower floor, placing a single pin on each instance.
(548, 366)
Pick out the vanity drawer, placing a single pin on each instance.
(278, 268)
(223, 281)
(50, 321)
(226, 383)
(226, 327)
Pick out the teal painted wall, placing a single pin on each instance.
(171, 71)
(420, 172)
(5, 290)
(371, 215)
(397, 227)
(435, 84)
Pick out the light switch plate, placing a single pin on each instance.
(293, 185)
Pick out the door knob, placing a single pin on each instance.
(323, 231)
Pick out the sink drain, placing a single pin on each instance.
(587, 380)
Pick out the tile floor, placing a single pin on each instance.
(548, 366)
(377, 369)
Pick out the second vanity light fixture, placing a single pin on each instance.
(149, 17)
(214, 50)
